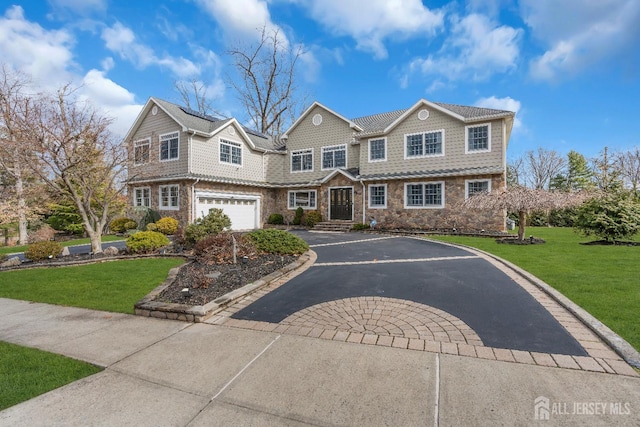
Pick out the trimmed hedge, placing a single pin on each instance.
(276, 241)
(43, 250)
(167, 225)
(312, 218)
(120, 225)
(276, 219)
(146, 241)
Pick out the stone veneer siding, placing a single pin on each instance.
(396, 216)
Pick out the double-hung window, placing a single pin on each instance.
(378, 196)
(424, 195)
(302, 160)
(334, 157)
(169, 146)
(424, 144)
(377, 150)
(169, 197)
(305, 199)
(230, 152)
(477, 186)
(141, 151)
(142, 196)
(478, 138)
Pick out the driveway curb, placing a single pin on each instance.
(615, 341)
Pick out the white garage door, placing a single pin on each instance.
(242, 211)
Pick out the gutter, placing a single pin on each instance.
(193, 200)
(364, 198)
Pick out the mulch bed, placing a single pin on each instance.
(526, 241)
(207, 282)
(609, 243)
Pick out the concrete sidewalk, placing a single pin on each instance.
(161, 372)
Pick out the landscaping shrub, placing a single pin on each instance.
(297, 219)
(312, 218)
(218, 248)
(77, 229)
(276, 219)
(214, 223)
(43, 250)
(537, 219)
(277, 241)
(562, 217)
(120, 225)
(612, 217)
(167, 225)
(360, 226)
(152, 226)
(65, 217)
(146, 241)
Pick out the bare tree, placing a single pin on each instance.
(515, 172)
(267, 81)
(524, 200)
(607, 176)
(79, 158)
(14, 110)
(542, 165)
(194, 96)
(628, 163)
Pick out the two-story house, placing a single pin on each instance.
(405, 169)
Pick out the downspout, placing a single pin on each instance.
(364, 199)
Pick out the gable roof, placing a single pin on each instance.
(385, 122)
(202, 124)
(308, 110)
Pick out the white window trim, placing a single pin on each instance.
(385, 150)
(303, 151)
(466, 139)
(135, 189)
(407, 157)
(441, 206)
(168, 208)
(386, 194)
(334, 148)
(302, 190)
(169, 159)
(222, 142)
(138, 143)
(468, 181)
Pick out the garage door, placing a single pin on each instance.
(242, 211)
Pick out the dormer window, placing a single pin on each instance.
(230, 152)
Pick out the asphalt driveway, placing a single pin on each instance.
(447, 278)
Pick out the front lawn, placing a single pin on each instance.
(28, 372)
(601, 279)
(16, 249)
(110, 286)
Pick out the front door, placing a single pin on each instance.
(341, 204)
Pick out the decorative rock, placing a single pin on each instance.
(65, 251)
(11, 262)
(111, 251)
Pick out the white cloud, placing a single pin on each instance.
(373, 23)
(122, 40)
(477, 48)
(241, 19)
(507, 103)
(111, 98)
(43, 54)
(579, 34)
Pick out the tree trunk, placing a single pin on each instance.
(22, 207)
(96, 240)
(522, 217)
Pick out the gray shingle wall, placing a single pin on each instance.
(454, 147)
(206, 157)
(332, 131)
(152, 127)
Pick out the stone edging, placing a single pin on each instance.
(613, 340)
(147, 307)
(89, 261)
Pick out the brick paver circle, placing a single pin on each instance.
(385, 316)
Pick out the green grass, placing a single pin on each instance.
(111, 286)
(27, 372)
(604, 280)
(14, 249)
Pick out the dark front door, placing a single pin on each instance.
(341, 205)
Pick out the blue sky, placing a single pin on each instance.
(570, 68)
